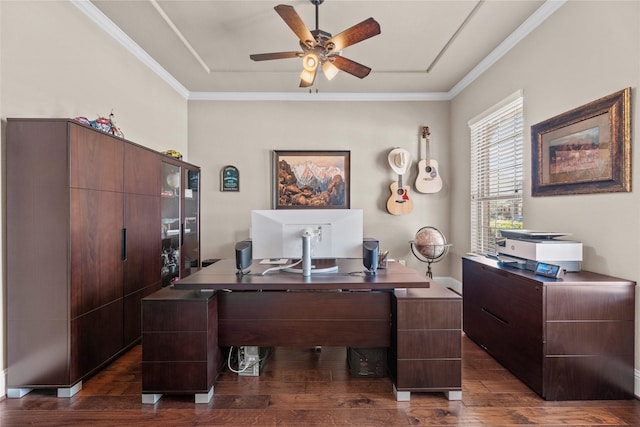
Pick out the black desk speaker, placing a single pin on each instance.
(243, 255)
(370, 249)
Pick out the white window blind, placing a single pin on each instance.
(496, 172)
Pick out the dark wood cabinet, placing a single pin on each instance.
(83, 249)
(180, 352)
(426, 346)
(569, 338)
(142, 263)
(180, 220)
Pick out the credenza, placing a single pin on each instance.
(568, 339)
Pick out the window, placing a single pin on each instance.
(496, 172)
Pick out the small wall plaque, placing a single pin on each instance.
(230, 179)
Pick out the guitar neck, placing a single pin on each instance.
(425, 137)
(399, 180)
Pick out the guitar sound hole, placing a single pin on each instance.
(428, 169)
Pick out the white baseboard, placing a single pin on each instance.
(3, 384)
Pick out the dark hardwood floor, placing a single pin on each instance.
(301, 387)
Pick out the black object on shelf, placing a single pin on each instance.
(207, 262)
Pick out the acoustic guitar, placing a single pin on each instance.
(428, 180)
(399, 203)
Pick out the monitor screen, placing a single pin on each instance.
(336, 233)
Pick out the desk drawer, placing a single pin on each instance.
(429, 344)
(176, 346)
(428, 375)
(358, 319)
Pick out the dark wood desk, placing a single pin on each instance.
(347, 308)
(350, 275)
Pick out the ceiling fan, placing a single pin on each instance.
(319, 48)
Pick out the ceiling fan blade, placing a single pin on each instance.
(351, 67)
(275, 55)
(293, 20)
(359, 32)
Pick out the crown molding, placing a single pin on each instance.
(101, 20)
(538, 17)
(318, 96)
(530, 24)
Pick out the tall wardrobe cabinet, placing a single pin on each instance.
(83, 249)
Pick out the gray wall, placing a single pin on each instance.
(244, 134)
(586, 50)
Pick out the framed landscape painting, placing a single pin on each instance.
(585, 150)
(311, 179)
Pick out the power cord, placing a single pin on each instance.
(239, 371)
(280, 267)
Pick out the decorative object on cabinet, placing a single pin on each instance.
(585, 150)
(567, 339)
(311, 179)
(173, 153)
(229, 179)
(107, 125)
(399, 202)
(428, 179)
(429, 246)
(97, 198)
(319, 49)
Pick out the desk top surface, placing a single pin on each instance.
(350, 275)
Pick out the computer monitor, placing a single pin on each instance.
(333, 233)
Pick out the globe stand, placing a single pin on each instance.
(438, 251)
(429, 246)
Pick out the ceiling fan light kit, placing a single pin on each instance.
(320, 48)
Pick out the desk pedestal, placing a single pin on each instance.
(426, 346)
(180, 353)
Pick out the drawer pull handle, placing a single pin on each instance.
(493, 271)
(498, 318)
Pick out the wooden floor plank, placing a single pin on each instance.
(306, 387)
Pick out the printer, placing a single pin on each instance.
(527, 248)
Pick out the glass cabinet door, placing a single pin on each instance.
(171, 226)
(191, 240)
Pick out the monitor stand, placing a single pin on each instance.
(307, 269)
(320, 265)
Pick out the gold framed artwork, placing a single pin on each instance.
(311, 179)
(585, 150)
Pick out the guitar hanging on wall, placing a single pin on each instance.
(428, 180)
(399, 203)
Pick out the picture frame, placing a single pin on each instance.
(311, 179)
(229, 178)
(585, 150)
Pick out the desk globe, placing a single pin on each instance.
(429, 246)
